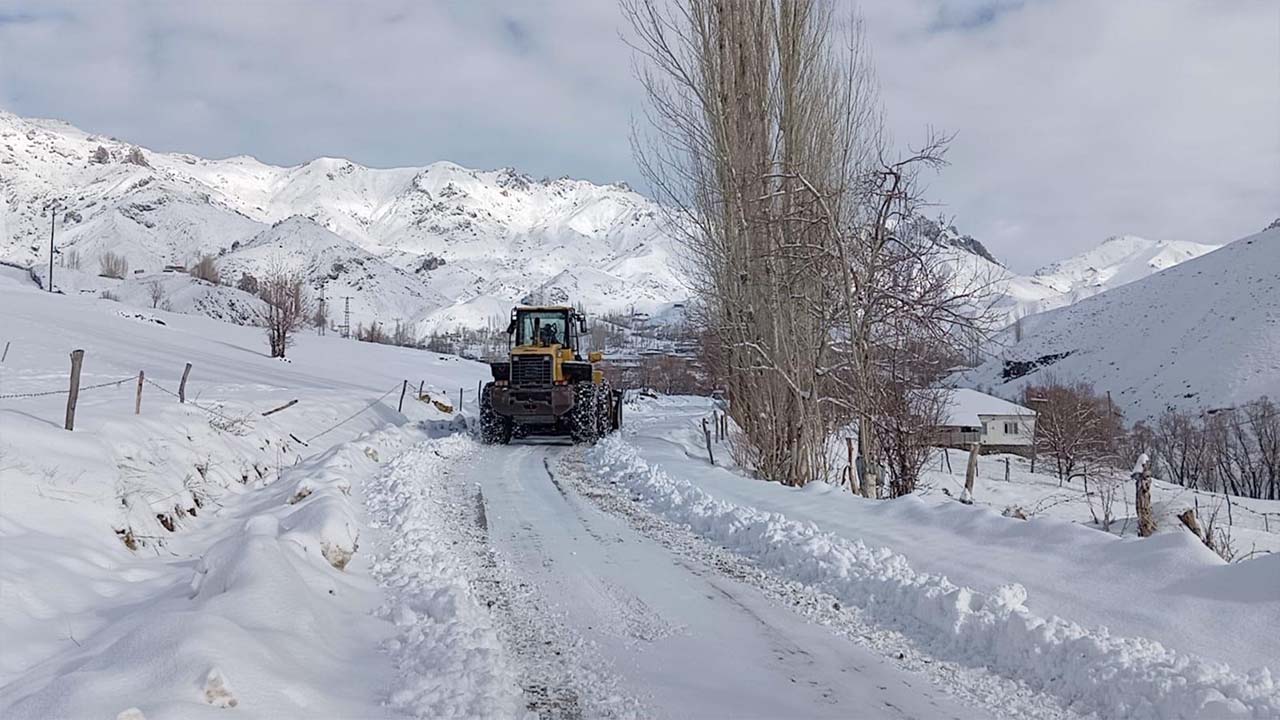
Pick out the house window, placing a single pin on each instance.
(1011, 428)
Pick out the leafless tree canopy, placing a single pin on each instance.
(206, 268)
(155, 290)
(113, 266)
(71, 260)
(287, 306)
(766, 146)
(1235, 451)
(1075, 427)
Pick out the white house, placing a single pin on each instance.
(999, 425)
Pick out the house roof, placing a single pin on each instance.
(965, 406)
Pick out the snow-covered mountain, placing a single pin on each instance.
(1204, 334)
(439, 246)
(431, 245)
(1117, 261)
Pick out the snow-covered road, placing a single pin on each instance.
(608, 620)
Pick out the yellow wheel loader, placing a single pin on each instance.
(545, 387)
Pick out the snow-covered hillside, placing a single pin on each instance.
(403, 242)
(1117, 261)
(439, 246)
(1203, 334)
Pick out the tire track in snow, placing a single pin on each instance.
(560, 675)
(547, 694)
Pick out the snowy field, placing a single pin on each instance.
(243, 591)
(340, 558)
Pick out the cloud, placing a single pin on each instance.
(1074, 119)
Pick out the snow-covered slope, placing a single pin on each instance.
(1117, 261)
(424, 238)
(1203, 334)
(442, 246)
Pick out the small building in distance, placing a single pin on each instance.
(997, 424)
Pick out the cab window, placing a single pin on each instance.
(543, 328)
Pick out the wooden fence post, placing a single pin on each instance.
(706, 432)
(1006, 469)
(182, 386)
(77, 358)
(421, 383)
(970, 474)
(403, 388)
(1142, 499)
(459, 399)
(137, 403)
(6, 351)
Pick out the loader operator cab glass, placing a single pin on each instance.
(547, 327)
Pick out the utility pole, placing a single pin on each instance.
(53, 217)
(346, 316)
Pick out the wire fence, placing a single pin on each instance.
(354, 415)
(65, 391)
(217, 412)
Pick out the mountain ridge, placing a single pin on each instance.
(443, 243)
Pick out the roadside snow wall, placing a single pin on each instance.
(1091, 670)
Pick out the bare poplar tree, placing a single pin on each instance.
(767, 150)
(206, 268)
(112, 265)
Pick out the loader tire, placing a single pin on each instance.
(494, 429)
(584, 425)
(604, 409)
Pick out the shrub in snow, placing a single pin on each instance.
(248, 283)
(217, 691)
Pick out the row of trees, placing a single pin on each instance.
(1236, 450)
(817, 288)
(1233, 450)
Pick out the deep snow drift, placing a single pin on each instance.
(1115, 626)
(248, 584)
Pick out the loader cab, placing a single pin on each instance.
(543, 327)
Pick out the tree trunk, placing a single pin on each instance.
(868, 464)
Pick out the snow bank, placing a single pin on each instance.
(449, 661)
(1090, 669)
(264, 620)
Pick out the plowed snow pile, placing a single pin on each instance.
(1100, 670)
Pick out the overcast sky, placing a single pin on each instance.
(1074, 119)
